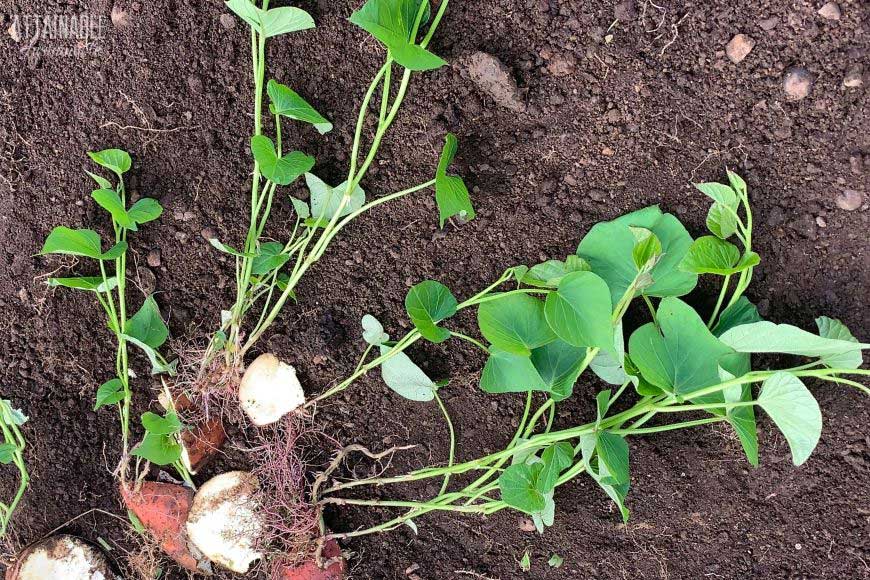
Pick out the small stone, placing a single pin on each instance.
(798, 547)
(608, 152)
(208, 233)
(227, 21)
(526, 525)
(194, 83)
(13, 31)
(820, 221)
(562, 65)
(769, 24)
(830, 11)
(739, 47)
(119, 16)
(797, 83)
(850, 200)
(854, 77)
(493, 78)
(154, 258)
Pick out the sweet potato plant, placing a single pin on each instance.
(267, 271)
(12, 453)
(564, 317)
(145, 329)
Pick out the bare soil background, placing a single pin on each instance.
(622, 105)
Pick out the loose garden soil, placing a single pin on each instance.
(620, 107)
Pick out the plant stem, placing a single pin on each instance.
(452, 441)
(719, 301)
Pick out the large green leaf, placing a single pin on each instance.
(609, 249)
(795, 411)
(769, 337)
(710, 255)
(833, 328)
(579, 312)
(719, 193)
(285, 19)
(147, 325)
(392, 23)
(325, 200)
(519, 487)
(287, 103)
(552, 368)
(555, 459)
(721, 221)
(406, 378)
(515, 323)
(428, 303)
(114, 160)
(451, 194)
(681, 358)
(617, 493)
(282, 170)
(81, 242)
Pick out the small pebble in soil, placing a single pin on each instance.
(119, 17)
(739, 47)
(208, 233)
(768, 24)
(830, 11)
(227, 21)
(13, 32)
(850, 200)
(153, 258)
(493, 78)
(797, 83)
(854, 77)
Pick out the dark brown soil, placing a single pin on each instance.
(619, 115)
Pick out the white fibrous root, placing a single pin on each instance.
(269, 390)
(223, 522)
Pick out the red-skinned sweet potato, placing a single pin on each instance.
(311, 571)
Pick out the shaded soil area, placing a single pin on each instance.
(618, 106)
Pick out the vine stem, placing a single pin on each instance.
(452, 440)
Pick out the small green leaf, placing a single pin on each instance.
(515, 323)
(168, 425)
(609, 364)
(301, 208)
(555, 561)
(109, 200)
(373, 331)
(158, 363)
(100, 180)
(325, 200)
(647, 249)
(283, 20)
(555, 459)
(721, 221)
(8, 451)
(406, 378)
(158, 449)
(719, 193)
(579, 311)
(109, 393)
(145, 210)
(229, 249)
(247, 11)
(710, 255)
(115, 251)
(63, 240)
(147, 324)
(612, 458)
(429, 303)
(737, 183)
(10, 414)
(287, 103)
(270, 258)
(451, 194)
(281, 170)
(548, 274)
(114, 160)
(795, 411)
(519, 487)
(391, 22)
(90, 283)
(833, 328)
